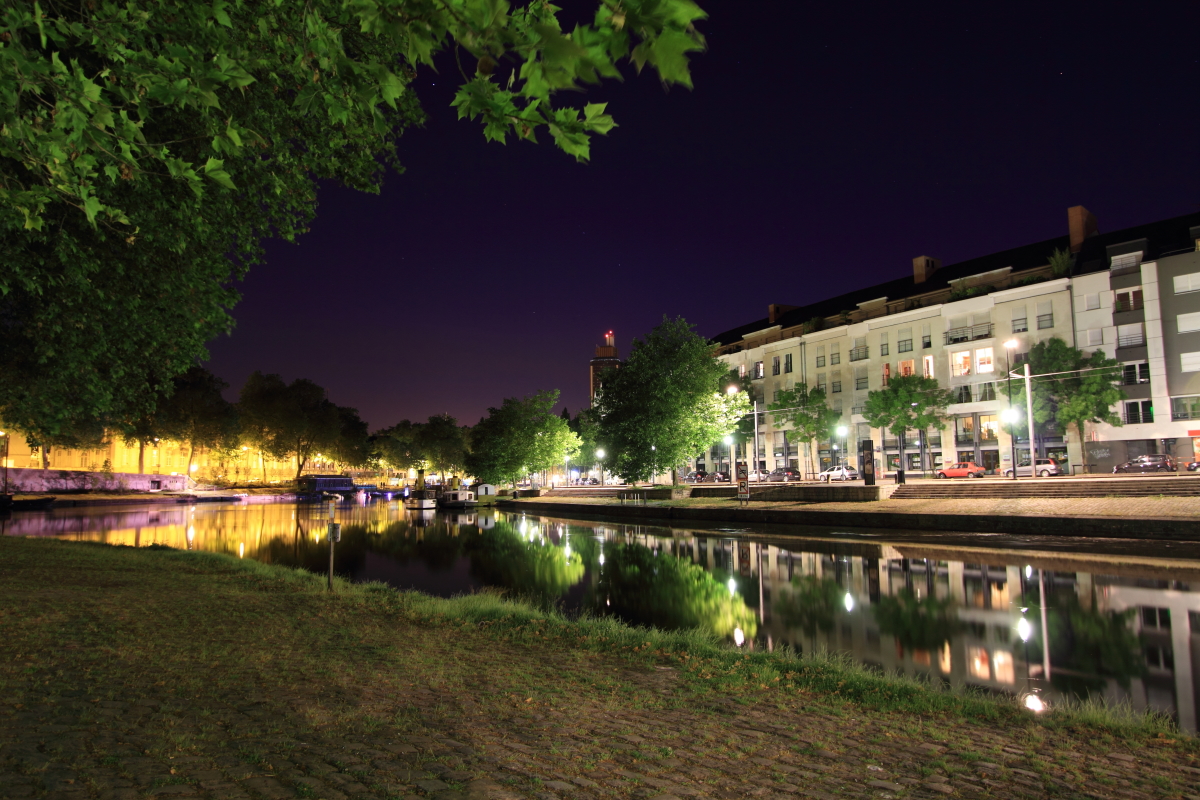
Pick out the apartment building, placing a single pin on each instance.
(966, 325)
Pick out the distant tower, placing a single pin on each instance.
(606, 359)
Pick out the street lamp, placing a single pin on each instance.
(1012, 415)
(600, 458)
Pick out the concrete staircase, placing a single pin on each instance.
(958, 489)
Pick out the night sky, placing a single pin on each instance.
(820, 151)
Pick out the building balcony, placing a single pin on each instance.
(968, 333)
(858, 409)
(859, 353)
(1045, 321)
(1127, 305)
(1133, 340)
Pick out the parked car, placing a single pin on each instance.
(784, 474)
(1147, 463)
(716, 477)
(839, 474)
(960, 469)
(1193, 466)
(695, 476)
(758, 475)
(1045, 467)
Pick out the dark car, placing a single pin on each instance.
(696, 476)
(716, 477)
(1147, 463)
(1193, 466)
(784, 474)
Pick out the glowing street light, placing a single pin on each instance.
(842, 430)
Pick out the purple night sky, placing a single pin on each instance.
(821, 150)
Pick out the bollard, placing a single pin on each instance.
(899, 476)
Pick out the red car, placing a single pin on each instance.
(961, 469)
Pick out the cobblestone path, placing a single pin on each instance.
(135, 694)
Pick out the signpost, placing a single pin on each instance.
(743, 484)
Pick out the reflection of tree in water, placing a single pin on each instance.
(810, 605)
(1089, 646)
(534, 570)
(918, 623)
(667, 592)
(438, 548)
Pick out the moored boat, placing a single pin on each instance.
(457, 498)
(421, 499)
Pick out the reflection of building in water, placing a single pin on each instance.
(969, 623)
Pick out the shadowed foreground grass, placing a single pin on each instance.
(191, 633)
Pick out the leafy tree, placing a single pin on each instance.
(288, 420)
(519, 437)
(442, 444)
(908, 402)
(397, 445)
(1061, 262)
(586, 426)
(743, 434)
(804, 409)
(353, 444)
(151, 145)
(1076, 387)
(666, 403)
(197, 413)
(81, 435)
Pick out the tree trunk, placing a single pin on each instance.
(191, 454)
(901, 443)
(299, 465)
(262, 458)
(141, 457)
(45, 456)
(1082, 451)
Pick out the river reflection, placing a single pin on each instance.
(1123, 628)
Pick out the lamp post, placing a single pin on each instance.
(729, 449)
(1029, 423)
(754, 446)
(842, 430)
(1011, 415)
(600, 458)
(1009, 346)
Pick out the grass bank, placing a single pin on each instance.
(173, 655)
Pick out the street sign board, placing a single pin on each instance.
(743, 482)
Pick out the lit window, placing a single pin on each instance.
(983, 360)
(960, 363)
(928, 367)
(908, 368)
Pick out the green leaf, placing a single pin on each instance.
(214, 169)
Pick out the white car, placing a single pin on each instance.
(1045, 468)
(839, 474)
(757, 476)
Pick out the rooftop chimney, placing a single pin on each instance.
(924, 267)
(1082, 225)
(775, 311)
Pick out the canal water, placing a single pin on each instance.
(1123, 621)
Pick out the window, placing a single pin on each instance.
(1020, 322)
(758, 369)
(1095, 336)
(960, 363)
(835, 386)
(835, 381)
(1135, 373)
(985, 391)
(741, 370)
(1187, 283)
(835, 354)
(887, 374)
(1091, 302)
(1189, 362)
(926, 338)
(1188, 322)
(1185, 408)
(928, 368)
(883, 344)
(775, 365)
(1159, 618)
(787, 362)
(1045, 318)
(1128, 301)
(1130, 335)
(821, 381)
(1126, 261)
(904, 346)
(908, 368)
(983, 360)
(1139, 412)
(963, 394)
(775, 396)
(862, 383)
(820, 355)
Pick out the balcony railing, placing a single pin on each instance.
(964, 438)
(1135, 417)
(858, 409)
(862, 383)
(1020, 325)
(968, 333)
(859, 353)
(1045, 321)
(1127, 305)
(1132, 340)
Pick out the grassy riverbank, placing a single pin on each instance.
(129, 670)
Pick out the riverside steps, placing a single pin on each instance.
(1151, 508)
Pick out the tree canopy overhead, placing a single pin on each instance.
(151, 145)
